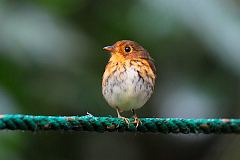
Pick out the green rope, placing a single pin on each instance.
(101, 124)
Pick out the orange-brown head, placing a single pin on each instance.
(127, 49)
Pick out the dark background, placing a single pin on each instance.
(51, 63)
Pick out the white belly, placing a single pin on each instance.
(127, 90)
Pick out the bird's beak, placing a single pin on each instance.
(108, 48)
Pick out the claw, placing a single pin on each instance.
(125, 119)
(89, 114)
(137, 121)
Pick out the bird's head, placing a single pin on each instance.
(127, 49)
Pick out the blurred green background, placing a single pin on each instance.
(51, 63)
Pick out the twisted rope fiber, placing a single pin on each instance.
(101, 124)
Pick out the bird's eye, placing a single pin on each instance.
(128, 49)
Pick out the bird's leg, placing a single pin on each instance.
(137, 121)
(124, 118)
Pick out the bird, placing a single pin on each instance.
(129, 78)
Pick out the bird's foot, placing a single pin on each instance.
(125, 119)
(137, 121)
(89, 114)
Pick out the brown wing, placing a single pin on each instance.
(151, 64)
(145, 55)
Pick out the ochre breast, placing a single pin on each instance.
(128, 84)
